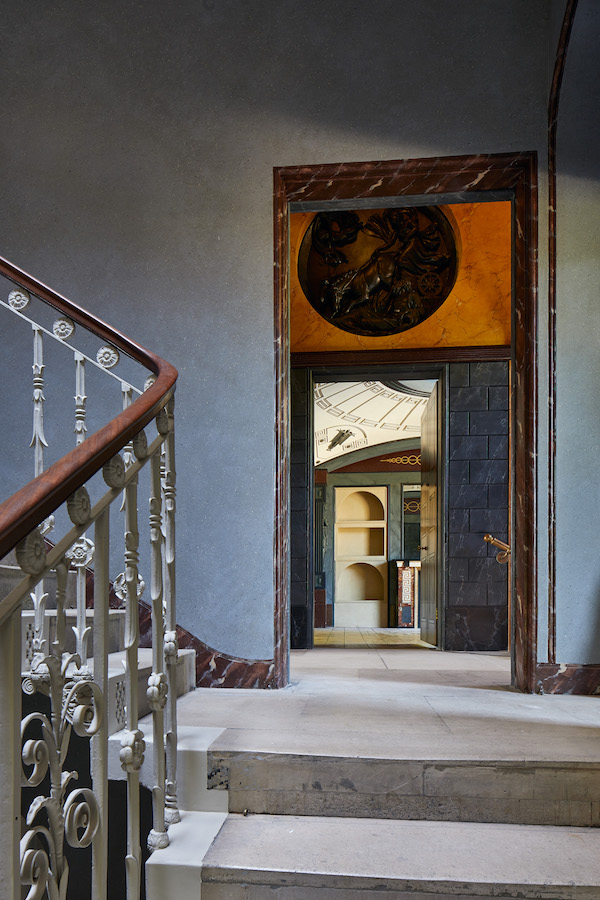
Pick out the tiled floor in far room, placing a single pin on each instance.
(368, 637)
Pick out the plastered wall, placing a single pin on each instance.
(138, 143)
(578, 337)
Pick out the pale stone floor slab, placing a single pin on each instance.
(400, 702)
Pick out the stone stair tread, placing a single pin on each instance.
(578, 746)
(529, 792)
(410, 857)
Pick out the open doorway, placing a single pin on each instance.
(366, 513)
(391, 542)
(414, 182)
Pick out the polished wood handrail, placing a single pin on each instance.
(28, 507)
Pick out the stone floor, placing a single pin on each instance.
(402, 701)
(368, 637)
(310, 768)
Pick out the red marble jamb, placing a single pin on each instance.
(514, 173)
(552, 678)
(213, 668)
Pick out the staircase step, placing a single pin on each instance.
(298, 857)
(495, 790)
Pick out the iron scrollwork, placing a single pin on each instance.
(73, 815)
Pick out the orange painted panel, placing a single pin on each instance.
(476, 313)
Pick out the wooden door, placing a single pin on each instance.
(429, 592)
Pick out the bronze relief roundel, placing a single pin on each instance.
(378, 272)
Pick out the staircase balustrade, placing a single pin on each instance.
(75, 501)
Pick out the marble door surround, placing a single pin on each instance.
(441, 180)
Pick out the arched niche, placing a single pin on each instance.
(361, 506)
(359, 582)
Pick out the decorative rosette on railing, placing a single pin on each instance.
(133, 747)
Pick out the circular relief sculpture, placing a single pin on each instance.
(378, 272)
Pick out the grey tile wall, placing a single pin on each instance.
(300, 480)
(478, 470)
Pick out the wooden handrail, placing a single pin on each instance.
(28, 507)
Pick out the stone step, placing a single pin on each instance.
(304, 857)
(501, 790)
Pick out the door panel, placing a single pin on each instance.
(429, 519)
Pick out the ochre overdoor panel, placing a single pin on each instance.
(477, 313)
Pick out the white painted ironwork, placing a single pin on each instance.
(107, 357)
(65, 814)
(63, 328)
(171, 643)
(60, 815)
(17, 305)
(81, 553)
(38, 441)
(78, 817)
(157, 683)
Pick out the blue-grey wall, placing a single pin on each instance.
(578, 339)
(138, 142)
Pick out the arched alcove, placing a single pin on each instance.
(358, 582)
(360, 597)
(361, 506)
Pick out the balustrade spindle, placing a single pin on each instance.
(157, 684)
(132, 744)
(171, 643)
(80, 398)
(99, 743)
(128, 456)
(38, 442)
(82, 553)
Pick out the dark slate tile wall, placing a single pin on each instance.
(300, 480)
(478, 469)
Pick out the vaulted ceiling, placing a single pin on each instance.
(355, 415)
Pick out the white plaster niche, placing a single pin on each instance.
(360, 553)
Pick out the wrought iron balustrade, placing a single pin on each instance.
(58, 535)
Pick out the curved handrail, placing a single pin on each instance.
(29, 506)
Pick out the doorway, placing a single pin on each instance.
(451, 180)
(393, 535)
(365, 440)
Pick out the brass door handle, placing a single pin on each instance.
(501, 557)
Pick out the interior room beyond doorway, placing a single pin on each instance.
(358, 536)
(367, 457)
